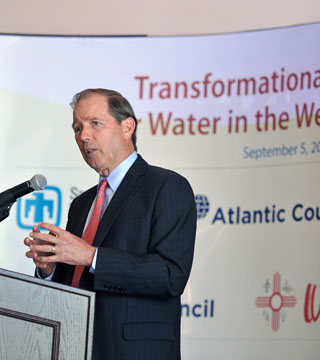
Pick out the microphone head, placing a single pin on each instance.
(38, 182)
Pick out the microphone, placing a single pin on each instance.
(8, 197)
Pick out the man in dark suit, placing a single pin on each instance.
(141, 255)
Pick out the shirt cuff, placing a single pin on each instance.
(38, 273)
(94, 261)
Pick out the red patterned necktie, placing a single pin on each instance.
(91, 229)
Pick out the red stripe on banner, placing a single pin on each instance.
(276, 282)
(275, 320)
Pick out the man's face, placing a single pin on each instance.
(103, 142)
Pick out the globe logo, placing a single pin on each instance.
(203, 205)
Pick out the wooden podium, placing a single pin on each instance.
(43, 320)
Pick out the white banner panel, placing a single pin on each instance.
(239, 116)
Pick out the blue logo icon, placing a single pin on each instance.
(40, 206)
(203, 206)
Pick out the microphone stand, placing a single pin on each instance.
(6, 201)
(5, 210)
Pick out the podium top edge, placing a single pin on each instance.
(46, 283)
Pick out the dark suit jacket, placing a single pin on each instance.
(145, 246)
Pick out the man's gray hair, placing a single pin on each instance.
(119, 106)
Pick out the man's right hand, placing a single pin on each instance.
(46, 268)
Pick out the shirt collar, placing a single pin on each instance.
(116, 176)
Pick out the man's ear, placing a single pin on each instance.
(128, 126)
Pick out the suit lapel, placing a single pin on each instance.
(129, 185)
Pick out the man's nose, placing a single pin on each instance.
(85, 133)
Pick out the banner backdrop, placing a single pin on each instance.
(239, 116)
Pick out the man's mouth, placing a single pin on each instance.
(90, 151)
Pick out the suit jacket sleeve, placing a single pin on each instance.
(149, 249)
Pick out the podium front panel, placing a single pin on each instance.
(44, 320)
